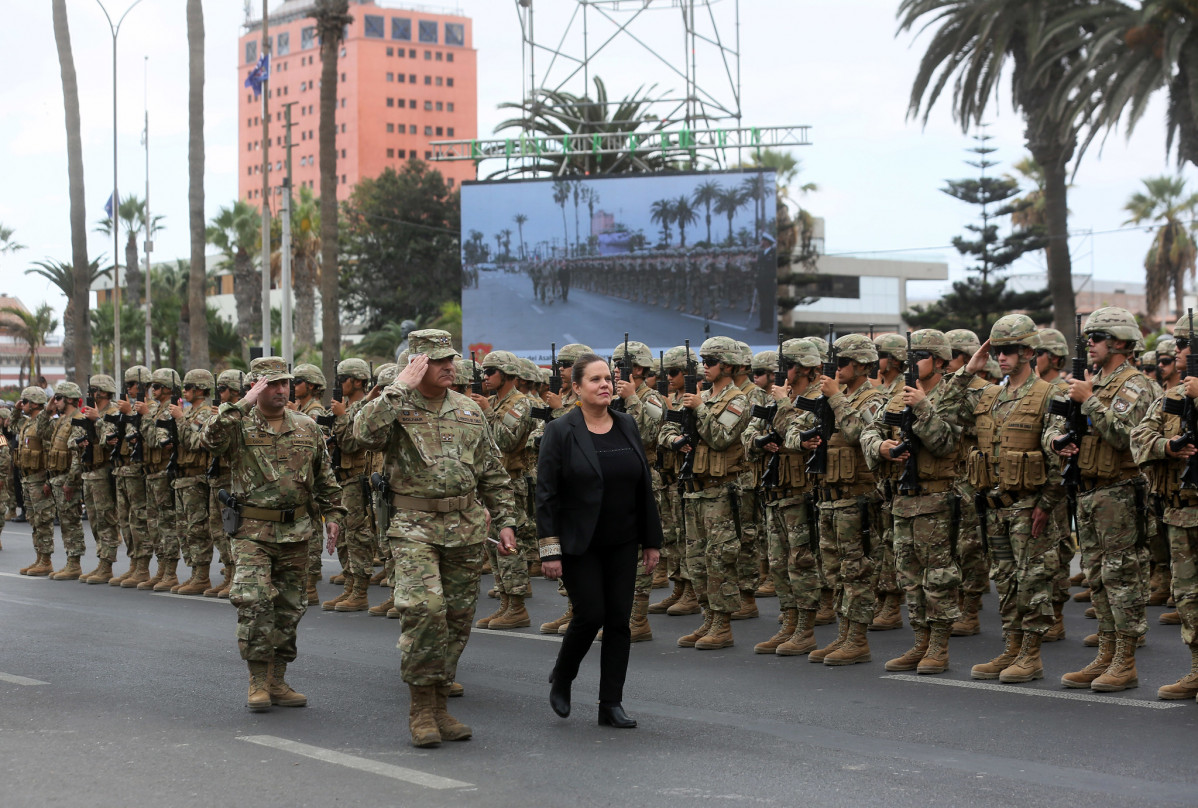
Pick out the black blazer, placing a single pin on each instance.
(570, 484)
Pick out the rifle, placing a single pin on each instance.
(780, 373)
(134, 420)
(825, 419)
(290, 387)
(1076, 421)
(555, 377)
(1185, 409)
(663, 381)
(685, 417)
(909, 481)
(769, 478)
(625, 375)
(477, 386)
(172, 440)
(378, 482)
(326, 421)
(117, 421)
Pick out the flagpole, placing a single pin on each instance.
(149, 244)
(265, 185)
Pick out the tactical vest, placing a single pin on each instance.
(58, 458)
(155, 455)
(193, 462)
(846, 461)
(1009, 455)
(710, 463)
(1164, 476)
(1098, 460)
(353, 464)
(792, 466)
(929, 467)
(99, 453)
(645, 394)
(30, 458)
(513, 461)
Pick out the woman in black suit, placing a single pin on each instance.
(597, 518)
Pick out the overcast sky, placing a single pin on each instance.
(833, 64)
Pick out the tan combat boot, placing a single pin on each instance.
(1122, 671)
(854, 649)
(102, 573)
(169, 577)
(1159, 585)
(358, 601)
(826, 615)
(688, 604)
(331, 605)
(139, 576)
(339, 578)
(689, 640)
(1170, 619)
(1082, 596)
(1013, 642)
(1028, 665)
(842, 635)
(935, 659)
(379, 578)
(1187, 686)
(485, 622)
(70, 572)
(768, 589)
(281, 693)
(516, 615)
(156, 578)
(661, 578)
(890, 616)
(422, 718)
(638, 622)
(1086, 676)
(199, 581)
(228, 584)
(909, 661)
(1057, 632)
(259, 696)
(748, 606)
(719, 635)
(802, 641)
(117, 580)
(215, 589)
(34, 565)
(43, 568)
(790, 619)
(382, 609)
(968, 624)
(669, 600)
(553, 625)
(448, 727)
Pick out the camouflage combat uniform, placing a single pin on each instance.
(99, 489)
(161, 526)
(63, 471)
(510, 422)
(192, 494)
(30, 458)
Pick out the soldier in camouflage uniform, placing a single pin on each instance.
(892, 362)
(1112, 501)
(130, 476)
(161, 525)
(309, 388)
(31, 457)
(1153, 443)
(278, 464)
(440, 461)
(99, 486)
(5, 467)
(383, 379)
(752, 553)
(925, 505)
(228, 390)
(1160, 587)
(64, 472)
(528, 382)
(1051, 354)
(191, 485)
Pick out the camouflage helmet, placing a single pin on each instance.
(1014, 329)
(543, 375)
(992, 369)
(1052, 341)
(1118, 322)
(746, 353)
(724, 349)
(765, 359)
(68, 390)
(638, 353)
(463, 373)
(964, 340)
(676, 358)
(5, 414)
(167, 377)
(821, 345)
(201, 378)
(1165, 347)
(802, 352)
(34, 395)
(1148, 359)
(103, 382)
(933, 341)
(529, 371)
(354, 369)
(892, 344)
(569, 353)
(1182, 329)
(137, 373)
(403, 359)
(307, 372)
(386, 374)
(505, 362)
(231, 378)
(857, 347)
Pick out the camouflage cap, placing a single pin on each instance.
(1182, 329)
(68, 390)
(932, 340)
(803, 352)
(231, 378)
(1118, 322)
(677, 358)
(529, 371)
(639, 354)
(746, 354)
(432, 342)
(504, 361)
(353, 368)
(765, 359)
(1052, 341)
(307, 372)
(387, 374)
(271, 368)
(35, 395)
(1148, 359)
(200, 378)
(964, 340)
(1014, 329)
(821, 345)
(404, 357)
(463, 373)
(168, 377)
(567, 354)
(857, 347)
(103, 382)
(1166, 347)
(724, 349)
(137, 373)
(893, 344)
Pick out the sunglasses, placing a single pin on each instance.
(1006, 350)
(1164, 361)
(222, 388)
(710, 361)
(490, 371)
(1041, 351)
(565, 365)
(843, 361)
(60, 398)
(157, 386)
(961, 354)
(91, 391)
(919, 356)
(25, 402)
(674, 372)
(130, 384)
(190, 387)
(1182, 343)
(761, 371)
(1099, 336)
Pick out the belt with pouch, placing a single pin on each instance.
(442, 505)
(271, 515)
(828, 493)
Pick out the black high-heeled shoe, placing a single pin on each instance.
(613, 715)
(559, 696)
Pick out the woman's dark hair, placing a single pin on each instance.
(580, 366)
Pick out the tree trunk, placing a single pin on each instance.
(1054, 161)
(304, 282)
(197, 332)
(336, 11)
(245, 297)
(132, 270)
(77, 353)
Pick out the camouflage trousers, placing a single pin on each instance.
(161, 530)
(713, 548)
(357, 533)
(924, 539)
(888, 582)
(511, 571)
(1023, 567)
(1115, 563)
(673, 548)
(856, 571)
(68, 502)
(435, 590)
(100, 498)
(794, 568)
(131, 508)
(191, 519)
(1183, 549)
(748, 560)
(643, 586)
(971, 555)
(39, 510)
(216, 529)
(268, 591)
(1060, 525)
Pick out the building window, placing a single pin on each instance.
(438, 81)
(428, 31)
(449, 81)
(401, 28)
(411, 103)
(343, 103)
(343, 154)
(450, 182)
(439, 56)
(391, 51)
(401, 154)
(390, 127)
(391, 153)
(376, 27)
(342, 78)
(307, 37)
(428, 106)
(390, 77)
(439, 106)
(428, 155)
(449, 131)
(455, 33)
(401, 78)
(428, 55)
(251, 52)
(411, 129)
(449, 106)
(439, 132)
(343, 179)
(343, 129)
(449, 57)
(428, 131)
(390, 102)
(400, 52)
(838, 286)
(283, 44)
(411, 78)
(428, 80)
(411, 53)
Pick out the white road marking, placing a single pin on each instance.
(361, 764)
(538, 309)
(715, 322)
(199, 598)
(20, 680)
(25, 577)
(505, 633)
(1047, 694)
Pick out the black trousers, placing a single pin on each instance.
(600, 583)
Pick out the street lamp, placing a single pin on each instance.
(116, 204)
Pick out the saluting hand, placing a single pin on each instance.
(251, 397)
(977, 362)
(413, 373)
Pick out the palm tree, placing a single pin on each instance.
(498, 247)
(78, 205)
(63, 276)
(507, 242)
(591, 196)
(132, 212)
(705, 194)
(1165, 203)
(729, 201)
(662, 212)
(520, 219)
(332, 17)
(197, 327)
(684, 214)
(305, 263)
(974, 41)
(224, 345)
(32, 329)
(169, 286)
(236, 232)
(755, 191)
(576, 191)
(1028, 210)
(7, 245)
(100, 326)
(561, 195)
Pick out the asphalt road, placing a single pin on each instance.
(113, 697)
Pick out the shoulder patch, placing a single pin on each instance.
(470, 416)
(1121, 405)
